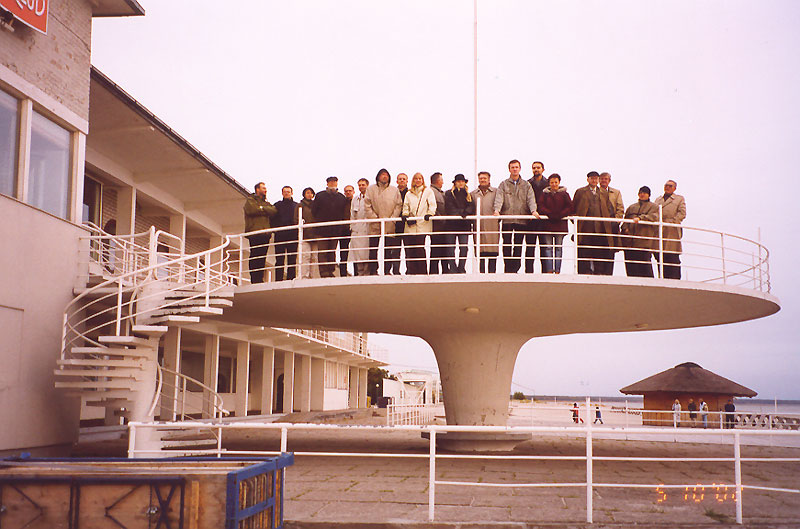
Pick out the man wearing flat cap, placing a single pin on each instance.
(328, 206)
(640, 240)
(458, 203)
(594, 236)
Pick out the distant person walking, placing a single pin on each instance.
(676, 413)
(598, 416)
(730, 418)
(704, 413)
(575, 413)
(692, 407)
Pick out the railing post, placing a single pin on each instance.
(432, 476)
(577, 245)
(119, 307)
(183, 400)
(284, 438)
(299, 269)
(219, 441)
(152, 257)
(737, 455)
(589, 462)
(476, 262)
(131, 440)
(722, 249)
(661, 241)
(382, 254)
(207, 285)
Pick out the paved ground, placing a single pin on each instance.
(336, 491)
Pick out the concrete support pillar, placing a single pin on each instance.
(211, 371)
(139, 411)
(171, 392)
(126, 210)
(352, 390)
(24, 149)
(302, 394)
(77, 167)
(317, 384)
(242, 378)
(267, 381)
(362, 387)
(288, 382)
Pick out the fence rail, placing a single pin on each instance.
(587, 431)
(474, 244)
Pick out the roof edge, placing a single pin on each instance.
(152, 119)
(135, 10)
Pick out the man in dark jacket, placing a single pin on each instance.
(538, 231)
(328, 206)
(285, 240)
(458, 202)
(257, 212)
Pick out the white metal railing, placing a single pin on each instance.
(587, 431)
(706, 255)
(407, 413)
(171, 394)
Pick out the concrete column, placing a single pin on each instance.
(211, 371)
(352, 389)
(77, 168)
(267, 380)
(302, 392)
(126, 210)
(288, 382)
(171, 393)
(146, 438)
(24, 149)
(362, 387)
(317, 384)
(242, 378)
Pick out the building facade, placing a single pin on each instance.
(77, 151)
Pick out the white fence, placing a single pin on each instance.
(414, 414)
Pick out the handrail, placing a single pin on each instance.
(215, 399)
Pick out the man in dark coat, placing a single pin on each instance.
(257, 212)
(538, 231)
(328, 206)
(285, 240)
(438, 239)
(458, 202)
(594, 237)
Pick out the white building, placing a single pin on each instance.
(76, 149)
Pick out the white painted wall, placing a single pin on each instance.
(335, 399)
(38, 267)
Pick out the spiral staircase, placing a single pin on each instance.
(131, 290)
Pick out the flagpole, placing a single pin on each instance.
(475, 85)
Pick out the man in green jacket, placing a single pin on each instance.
(257, 212)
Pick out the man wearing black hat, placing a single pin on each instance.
(458, 202)
(328, 206)
(640, 240)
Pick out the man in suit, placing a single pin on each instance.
(673, 211)
(618, 211)
(593, 236)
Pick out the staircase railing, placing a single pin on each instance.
(126, 298)
(172, 396)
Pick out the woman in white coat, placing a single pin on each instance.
(359, 241)
(419, 202)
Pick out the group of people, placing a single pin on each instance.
(516, 214)
(702, 407)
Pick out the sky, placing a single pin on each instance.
(704, 93)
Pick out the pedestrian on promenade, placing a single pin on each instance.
(676, 413)
(692, 407)
(598, 416)
(575, 413)
(730, 418)
(704, 413)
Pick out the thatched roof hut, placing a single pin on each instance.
(687, 382)
(688, 378)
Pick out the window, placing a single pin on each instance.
(9, 125)
(92, 193)
(48, 180)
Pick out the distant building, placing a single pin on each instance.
(414, 387)
(682, 382)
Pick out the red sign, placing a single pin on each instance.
(32, 13)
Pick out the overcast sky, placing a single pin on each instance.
(705, 93)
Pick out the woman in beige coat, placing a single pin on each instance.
(419, 202)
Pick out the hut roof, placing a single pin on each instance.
(688, 378)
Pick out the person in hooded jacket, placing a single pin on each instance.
(458, 202)
(382, 202)
(419, 201)
(309, 250)
(556, 204)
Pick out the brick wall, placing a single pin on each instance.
(57, 63)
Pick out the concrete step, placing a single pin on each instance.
(132, 341)
(175, 318)
(186, 443)
(143, 352)
(110, 403)
(95, 385)
(204, 311)
(149, 330)
(94, 372)
(101, 362)
(212, 301)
